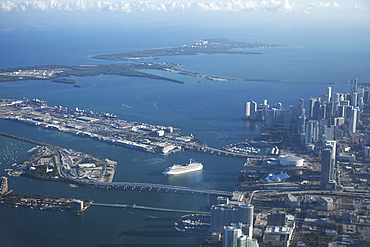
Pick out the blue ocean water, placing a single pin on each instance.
(211, 111)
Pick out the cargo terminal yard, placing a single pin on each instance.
(102, 126)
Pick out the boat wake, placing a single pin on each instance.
(126, 106)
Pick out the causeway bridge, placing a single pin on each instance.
(149, 187)
(134, 206)
(133, 186)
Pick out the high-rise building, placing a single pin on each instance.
(300, 107)
(317, 111)
(330, 94)
(302, 124)
(247, 113)
(226, 214)
(312, 132)
(330, 111)
(3, 185)
(270, 117)
(231, 235)
(328, 134)
(354, 84)
(367, 152)
(246, 218)
(76, 205)
(354, 99)
(242, 241)
(251, 110)
(353, 120)
(223, 215)
(312, 110)
(328, 175)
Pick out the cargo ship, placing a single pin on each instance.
(179, 169)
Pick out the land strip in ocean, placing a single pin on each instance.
(57, 73)
(205, 46)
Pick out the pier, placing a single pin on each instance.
(149, 208)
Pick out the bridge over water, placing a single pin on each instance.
(141, 187)
(149, 187)
(148, 208)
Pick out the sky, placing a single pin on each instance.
(129, 6)
(17, 15)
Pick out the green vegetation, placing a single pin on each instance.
(318, 239)
(347, 200)
(39, 172)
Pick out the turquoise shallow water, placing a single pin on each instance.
(211, 111)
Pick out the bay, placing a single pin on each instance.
(211, 111)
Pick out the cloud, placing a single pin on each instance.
(170, 6)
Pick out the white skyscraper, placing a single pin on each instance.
(247, 109)
(251, 110)
(330, 94)
(353, 120)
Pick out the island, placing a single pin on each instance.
(52, 72)
(43, 202)
(57, 73)
(98, 125)
(205, 46)
(60, 164)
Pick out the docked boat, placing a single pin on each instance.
(179, 169)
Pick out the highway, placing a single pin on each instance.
(359, 194)
(149, 208)
(149, 187)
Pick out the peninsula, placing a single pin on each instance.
(205, 46)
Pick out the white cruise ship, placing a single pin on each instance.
(179, 169)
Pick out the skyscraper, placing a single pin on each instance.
(328, 175)
(353, 120)
(226, 214)
(246, 217)
(330, 94)
(247, 109)
(312, 132)
(270, 117)
(300, 107)
(231, 235)
(251, 110)
(354, 85)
